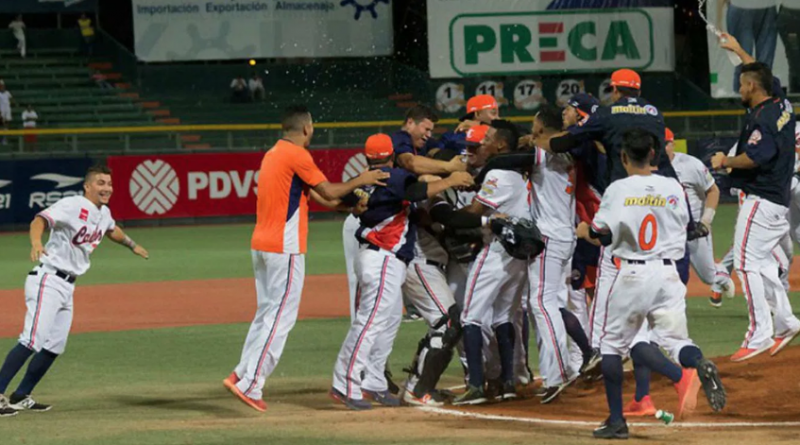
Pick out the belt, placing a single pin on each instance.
(60, 274)
(398, 256)
(435, 264)
(666, 262)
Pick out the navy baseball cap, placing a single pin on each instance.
(586, 104)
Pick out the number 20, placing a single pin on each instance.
(649, 220)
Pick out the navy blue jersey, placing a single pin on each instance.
(386, 223)
(401, 142)
(608, 124)
(768, 138)
(595, 164)
(453, 141)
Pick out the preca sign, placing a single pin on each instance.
(480, 40)
(182, 186)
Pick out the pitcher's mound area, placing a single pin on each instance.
(761, 392)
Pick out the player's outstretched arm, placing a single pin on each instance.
(334, 191)
(421, 165)
(36, 231)
(119, 237)
(741, 162)
(729, 43)
(422, 190)
(712, 201)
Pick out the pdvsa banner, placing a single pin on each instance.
(213, 184)
(508, 37)
(171, 30)
(29, 186)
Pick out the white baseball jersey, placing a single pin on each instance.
(506, 192)
(553, 194)
(695, 179)
(647, 216)
(76, 228)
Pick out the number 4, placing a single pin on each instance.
(649, 220)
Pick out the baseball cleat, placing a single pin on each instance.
(258, 405)
(715, 300)
(427, 399)
(687, 388)
(473, 396)
(508, 392)
(393, 388)
(551, 392)
(231, 379)
(591, 363)
(642, 408)
(747, 353)
(5, 410)
(354, 404)
(26, 403)
(782, 342)
(729, 289)
(616, 430)
(712, 384)
(384, 398)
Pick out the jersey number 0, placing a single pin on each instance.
(644, 243)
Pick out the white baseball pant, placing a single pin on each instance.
(495, 285)
(548, 274)
(279, 285)
(645, 292)
(606, 271)
(48, 299)
(794, 211)
(760, 226)
(351, 248)
(701, 257)
(427, 290)
(380, 276)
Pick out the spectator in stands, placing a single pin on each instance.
(29, 118)
(101, 81)
(87, 32)
(5, 108)
(239, 91)
(256, 87)
(18, 27)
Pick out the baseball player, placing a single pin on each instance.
(288, 176)
(389, 235)
(763, 170)
(77, 226)
(646, 217)
(496, 280)
(702, 193)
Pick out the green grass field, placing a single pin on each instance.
(163, 386)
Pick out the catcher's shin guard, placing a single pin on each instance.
(434, 353)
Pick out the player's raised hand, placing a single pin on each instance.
(729, 42)
(141, 251)
(37, 250)
(466, 125)
(718, 160)
(457, 164)
(460, 179)
(527, 141)
(373, 177)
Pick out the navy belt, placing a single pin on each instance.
(398, 256)
(63, 275)
(666, 262)
(435, 264)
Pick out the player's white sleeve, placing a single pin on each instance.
(495, 190)
(705, 178)
(111, 223)
(604, 220)
(58, 213)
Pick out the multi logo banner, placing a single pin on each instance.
(198, 185)
(29, 186)
(170, 30)
(512, 37)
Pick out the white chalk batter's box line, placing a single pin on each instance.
(453, 412)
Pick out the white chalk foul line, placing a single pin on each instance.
(457, 413)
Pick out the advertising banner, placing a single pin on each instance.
(765, 30)
(199, 185)
(29, 186)
(46, 6)
(169, 30)
(512, 37)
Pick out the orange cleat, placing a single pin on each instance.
(642, 408)
(231, 380)
(258, 405)
(687, 389)
(746, 353)
(782, 342)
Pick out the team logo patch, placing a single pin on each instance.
(84, 215)
(489, 186)
(672, 202)
(651, 110)
(755, 137)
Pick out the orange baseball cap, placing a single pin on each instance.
(378, 146)
(478, 103)
(625, 78)
(475, 135)
(669, 136)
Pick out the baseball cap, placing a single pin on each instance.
(475, 135)
(378, 146)
(625, 78)
(669, 136)
(477, 103)
(586, 104)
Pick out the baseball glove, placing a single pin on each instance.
(699, 230)
(520, 237)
